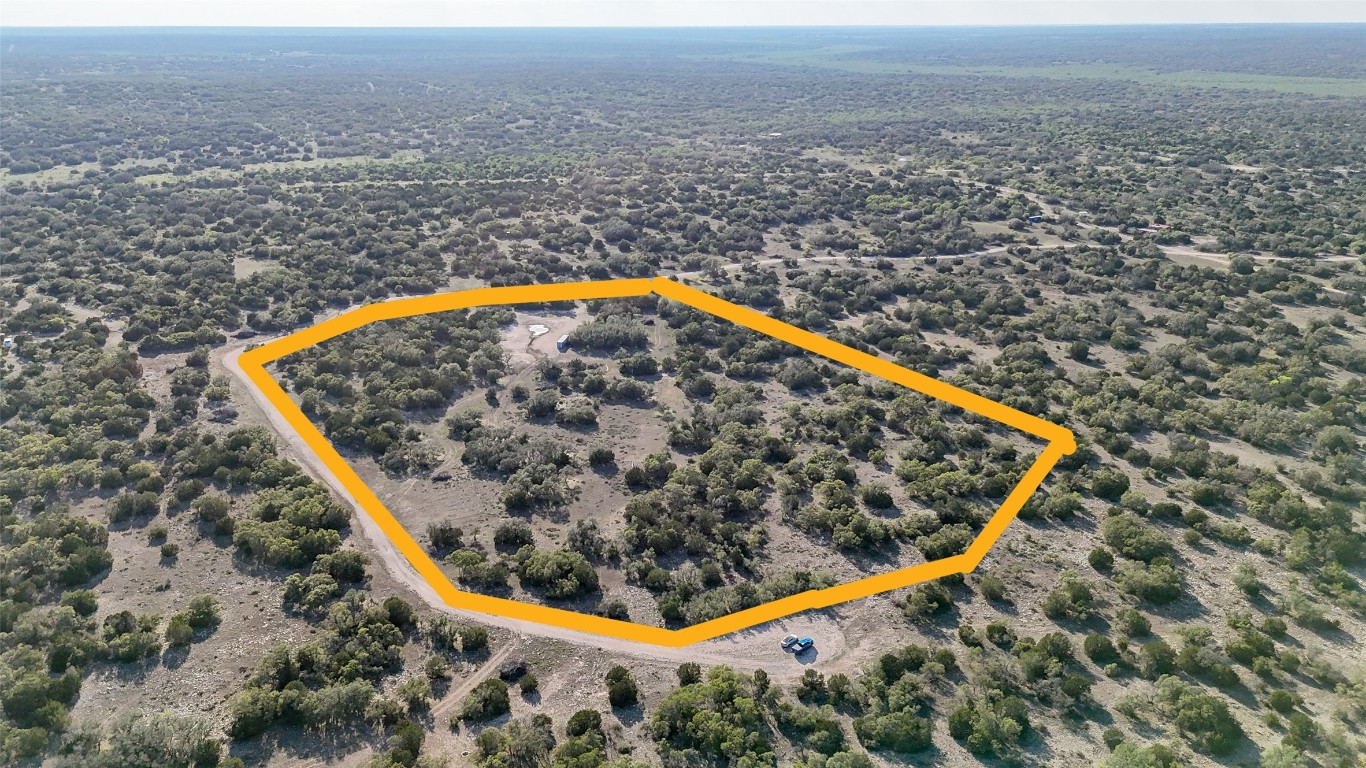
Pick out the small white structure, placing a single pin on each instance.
(8, 343)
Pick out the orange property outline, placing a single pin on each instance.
(1060, 443)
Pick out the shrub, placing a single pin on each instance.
(926, 600)
(178, 631)
(614, 609)
(1131, 623)
(512, 535)
(415, 693)
(346, 566)
(990, 728)
(473, 638)
(1134, 539)
(1203, 718)
(131, 505)
(1157, 582)
(202, 612)
(561, 573)
(251, 712)
(621, 687)
(488, 700)
(609, 334)
(992, 588)
(900, 732)
(638, 365)
(1112, 737)
(160, 739)
(210, 509)
(1126, 755)
(437, 668)
(578, 411)
(1281, 701)
(1099, 649)
(1000, 634)
(689, 673)
(715, 722)
(1245, 579)
(400, 613)
(601, 456)
(1109, 484)
(876, 495)
(1155, 659)
(1101, 559)
(85, 602)
(444, 536)
(1073, 599)
(583, 721)
(459, 425)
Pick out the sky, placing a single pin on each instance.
(665, 13)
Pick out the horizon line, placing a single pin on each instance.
(946, 25)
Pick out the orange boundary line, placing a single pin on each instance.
(254, 361)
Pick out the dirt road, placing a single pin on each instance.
(751, 649)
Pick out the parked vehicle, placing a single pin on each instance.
(789, 641)
(803, 645)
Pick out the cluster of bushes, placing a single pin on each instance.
(610, 333)
(328, 682)
(533, 468)
(290, 527)
(718, 719)
(533, 742)
(1203, 718)
(990, 726)
(364, 385)
(896, 694)
(560, 574)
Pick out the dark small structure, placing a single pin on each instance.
(512, 671)
(562, 343)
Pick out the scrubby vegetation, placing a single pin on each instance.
(1183, 291)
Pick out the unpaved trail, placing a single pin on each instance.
(456, 695)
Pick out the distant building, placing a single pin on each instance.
(8, 343)
(1034, 219)
(562, 343)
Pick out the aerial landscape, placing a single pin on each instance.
(1148, 239)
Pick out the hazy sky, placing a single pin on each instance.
(554, 13)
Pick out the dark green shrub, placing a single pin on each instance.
(561, 573)
(1099, 649)
(926, 600)
(1109, 484)
(621, 687)
(488, 700)
(1133, 538)
(900, 732)
(1101, 559)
